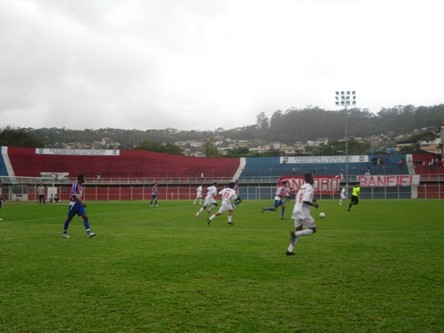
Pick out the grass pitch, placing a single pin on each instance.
(378, 268)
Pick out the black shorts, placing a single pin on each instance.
(354, 200)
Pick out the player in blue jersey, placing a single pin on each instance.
(77, 207)
(237, 190)
(1, 196)
(154, 190)
(281, 196)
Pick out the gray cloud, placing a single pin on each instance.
(209, 64)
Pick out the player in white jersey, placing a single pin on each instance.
(228, 194)
(209, 202)
(198, 195)
(343, 196)
(304, 200)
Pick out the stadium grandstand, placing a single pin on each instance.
(130, 174)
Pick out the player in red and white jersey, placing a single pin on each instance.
(281, 196)
(304, 200)
(228, 194)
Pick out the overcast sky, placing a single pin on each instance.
(205, 64)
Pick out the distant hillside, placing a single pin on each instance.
(288, 126)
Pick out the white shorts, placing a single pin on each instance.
(209, 202)
(225, 206)
(306, 221)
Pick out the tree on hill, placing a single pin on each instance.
(160, 148)
(19, 138)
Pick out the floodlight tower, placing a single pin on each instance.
(345, 99)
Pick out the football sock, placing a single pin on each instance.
(65, 226)
(305, 232)
(292, 244)
(86, 224)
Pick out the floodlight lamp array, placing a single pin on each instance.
(345, 98)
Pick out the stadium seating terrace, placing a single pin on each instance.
(127, 164)
(26, 162)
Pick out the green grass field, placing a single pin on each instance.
(378, 268)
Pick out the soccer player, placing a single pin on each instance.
(355, 196)
(198, 195)
(343, 196)
(77, 207)
(1, 196)
(282, 194)
(41, 190)
(228, 194)
(237, 190)
(154, 190)
(304, 200)
(209, 202)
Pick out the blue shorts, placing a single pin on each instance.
(278, 203)
(77, 208)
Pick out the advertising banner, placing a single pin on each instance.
(389, 181)
(78, 152)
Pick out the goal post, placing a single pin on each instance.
(25, 188)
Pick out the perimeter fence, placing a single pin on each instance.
(254, 188)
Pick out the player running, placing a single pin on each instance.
(237, 190)
(198, 195)
(154, 190)
(282, 194)
(228, 194)
(354, 200)
(301, 213)
(209, 202)
(343, 196)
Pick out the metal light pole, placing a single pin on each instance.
(346, 98)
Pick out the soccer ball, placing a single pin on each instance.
(321, 215)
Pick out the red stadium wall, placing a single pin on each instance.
(127, 164)
(431, 191)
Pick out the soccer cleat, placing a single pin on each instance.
(263, 210)
(230, 223)
(208, 221)
(290, 253)
(91, 234)
(65, 235)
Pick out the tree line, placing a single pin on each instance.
(290, 126)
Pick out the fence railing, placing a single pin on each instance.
(25, 189)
